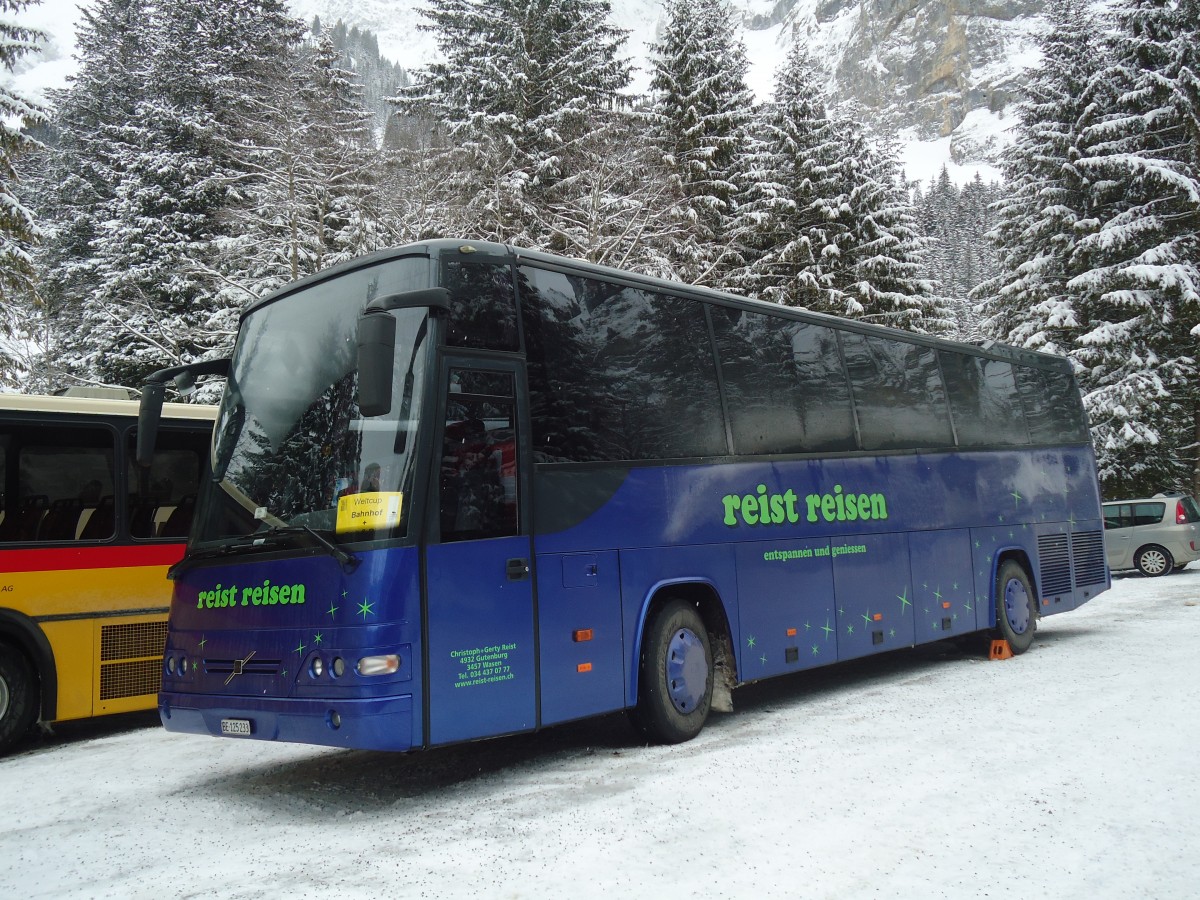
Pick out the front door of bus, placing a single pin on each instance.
(482, 660)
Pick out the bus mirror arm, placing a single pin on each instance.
(377, 345)
(153, 392)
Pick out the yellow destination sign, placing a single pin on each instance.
(369, 511)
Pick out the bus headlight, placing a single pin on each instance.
(339, 667)
(318, 667)
(170, 665)
(183, 665)
(387, 664)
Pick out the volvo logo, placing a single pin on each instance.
(239, 666)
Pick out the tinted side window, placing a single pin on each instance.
(983, 400)
(784, 383)
(1052, 406)
(58, 484)
(898, 393)
(1148, 513)
(617, 373)
(483, 307)
(162, 498)
(1118, 516)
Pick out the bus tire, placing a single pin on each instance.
(18, 695)
(675, 683)
(1016, 606)
(1153, 560)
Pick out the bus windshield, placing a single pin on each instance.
(292, 449)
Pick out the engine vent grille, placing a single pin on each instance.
(131, 679)
(1087, 554)
(136, 640)
(1054, 562)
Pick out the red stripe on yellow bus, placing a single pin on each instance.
(61, 558)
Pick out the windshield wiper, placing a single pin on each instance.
(349, 562)
(251, 542)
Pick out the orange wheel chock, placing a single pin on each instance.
(1000, 650)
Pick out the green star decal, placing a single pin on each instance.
(317, 638)
(1017, 498)
(763, 659)
(301, 648)
(866, 618)
(816, 650)
(332, 609)
(905, 603)
(750, 641)
(825, 628)
(345, 594)
(978, 545)
(283, 674)
(807, 627)
(937, 595)
(967, 605)
(203, 641)
(366, 608)
(1001, 518)
(891, 632)
(849, 629)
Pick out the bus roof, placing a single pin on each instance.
(98, 407)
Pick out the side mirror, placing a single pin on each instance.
(154, 389)
(149, 412)
(376, 360)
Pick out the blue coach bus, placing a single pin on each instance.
(462, 490)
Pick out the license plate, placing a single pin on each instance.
(235, 726)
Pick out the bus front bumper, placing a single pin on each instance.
(374, 724)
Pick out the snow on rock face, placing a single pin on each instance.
(922, 65)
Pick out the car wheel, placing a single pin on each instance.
(1153, 560)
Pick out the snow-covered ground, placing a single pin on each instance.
(1067, 772)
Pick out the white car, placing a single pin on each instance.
(1155, 535)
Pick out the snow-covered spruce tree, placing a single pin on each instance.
(18, 230)
(1030, 301)
(885, 262)
(699, 117)
(1139, 253)
(80, 171)
(213, 68)
(790, 223)
(310, 202)
(824, 223)
(523, 84)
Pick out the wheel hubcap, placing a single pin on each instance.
(1153, 562)
(687, 670)
(1016, 605)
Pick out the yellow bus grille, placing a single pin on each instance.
(133, 641)
(131, 679)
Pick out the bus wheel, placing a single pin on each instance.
(18, 691)
(675, 684)
(1153, 560)
(1016, 606)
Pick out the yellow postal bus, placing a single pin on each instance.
(86, 537)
